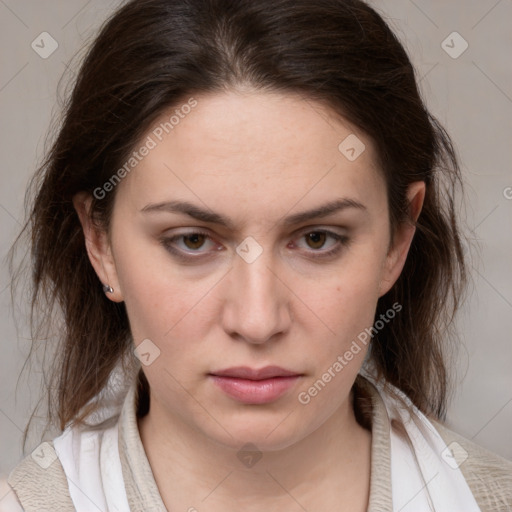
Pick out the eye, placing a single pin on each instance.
(191, 243)
(187, 246)
(317, 239)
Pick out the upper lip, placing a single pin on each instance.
(244, 372)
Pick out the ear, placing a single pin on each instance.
(98, 246)
(397, 254)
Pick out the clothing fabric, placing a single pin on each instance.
(416, 465)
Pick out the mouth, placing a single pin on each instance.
(255, 386)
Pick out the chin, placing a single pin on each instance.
(257, 440)
(269, 432)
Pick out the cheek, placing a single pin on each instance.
(346, 304)
(165, 309)
(175, 311)
(345, 301)
(159, 298)
(348, 295)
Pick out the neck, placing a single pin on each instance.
(330, 464)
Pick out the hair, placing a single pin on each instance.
(148, 57)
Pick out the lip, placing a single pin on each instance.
(244, 372)
(255, 386)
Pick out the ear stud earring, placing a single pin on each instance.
(108, 289)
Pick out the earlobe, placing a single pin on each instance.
(98, 248)
(397, 254)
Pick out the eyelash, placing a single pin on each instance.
(343, 241)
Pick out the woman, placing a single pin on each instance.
(247, 220)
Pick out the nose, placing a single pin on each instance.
(256, 306)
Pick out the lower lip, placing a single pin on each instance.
(255, 391)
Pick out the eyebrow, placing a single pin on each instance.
(215, 218)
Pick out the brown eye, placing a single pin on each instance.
(189, 246)
(196, 240)
(317, 239)
(316, 243)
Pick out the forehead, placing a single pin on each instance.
(255, 148)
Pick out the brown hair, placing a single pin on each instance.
(153, 53)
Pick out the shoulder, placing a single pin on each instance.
(38, 483)
(488, 475)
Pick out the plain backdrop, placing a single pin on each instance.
(469, 91)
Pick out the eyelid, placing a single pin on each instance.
(316, 228)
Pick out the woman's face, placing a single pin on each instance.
(247, 278)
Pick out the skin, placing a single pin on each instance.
(253, 157)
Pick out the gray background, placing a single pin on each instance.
(471, 95)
